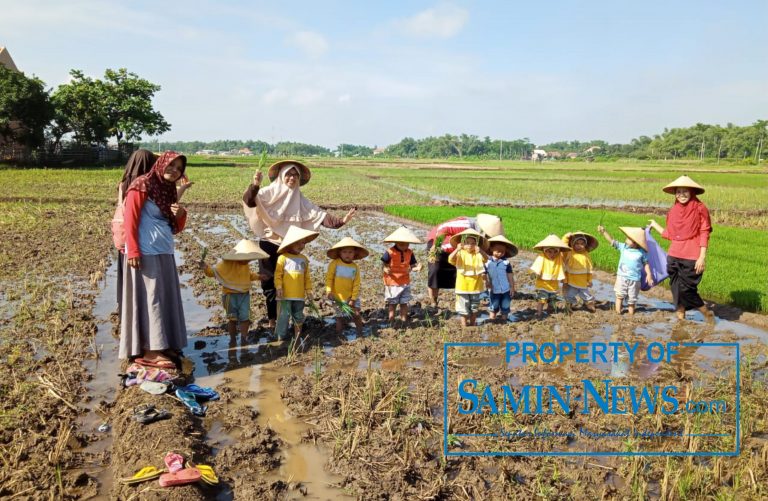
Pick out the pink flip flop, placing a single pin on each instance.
(181, 477)
(174, 462)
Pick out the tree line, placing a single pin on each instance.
(90, 111)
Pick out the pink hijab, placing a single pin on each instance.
(279, 207)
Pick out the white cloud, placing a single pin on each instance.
(443, 21)
(345, 98)
(310, 43)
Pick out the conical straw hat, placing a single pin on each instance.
(360, 251)
(490, 225)
(637, 235)
(551, 241)
(304, 171)
(296, 234)
(592, 242)
(501, 239)
(404, 235)
(469, 232)
(245, 250)
(684, 182)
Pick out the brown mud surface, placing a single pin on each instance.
(340, 416)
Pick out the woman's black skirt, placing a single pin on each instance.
(442, 274)
(684, 282)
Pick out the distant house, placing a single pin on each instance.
(379, 151)
(592, 149)
(6, 59)
(205, 152)
(538, 155)
(554, 154)
(245, 151)
(572, 154)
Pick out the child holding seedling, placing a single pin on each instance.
(397, 262)
(342, 282)
(632, 260)
(235, 277)
(469, 259)
(500, 280)
(292, 280)
(549, 271)
(578, 268)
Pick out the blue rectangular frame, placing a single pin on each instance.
(448, 453)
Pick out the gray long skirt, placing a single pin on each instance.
(152, 316)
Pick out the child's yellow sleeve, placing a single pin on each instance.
(356, 284)
(329, 277)
(279, 272)
(453, 259)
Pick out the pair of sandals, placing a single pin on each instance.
(148, 413)
(175, 473)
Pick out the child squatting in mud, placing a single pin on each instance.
(235, 277)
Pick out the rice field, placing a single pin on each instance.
(737, 259)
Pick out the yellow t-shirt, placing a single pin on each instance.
(343, 280)
(469, 272)
(578, 269)
(548, 272)
(292, 276)
(235, 277)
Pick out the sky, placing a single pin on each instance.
(331, 72)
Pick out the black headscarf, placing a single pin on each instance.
(139, 163)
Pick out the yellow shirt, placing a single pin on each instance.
(578, 269)
(469, 272)
(548, 272)
(292, 276)
(235, 277)
(343, 280)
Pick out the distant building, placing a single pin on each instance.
(572, 154)
(378, 151)
(554, 154)
(245, 151)
(6, 59)
(592, 149)
(538, 155)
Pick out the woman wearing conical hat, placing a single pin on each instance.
(442, 274)
(688, 229)
(272, 210)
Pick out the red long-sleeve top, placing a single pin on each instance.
(688, 230)
(134, 202)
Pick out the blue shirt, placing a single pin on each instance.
(155, 234)
(631, 261)
(497, 270)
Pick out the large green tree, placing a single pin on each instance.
(25, 107)
(119, 106)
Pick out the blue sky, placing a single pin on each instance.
(327, 72)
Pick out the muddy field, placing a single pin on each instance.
(356, 417)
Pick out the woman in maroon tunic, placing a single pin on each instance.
(688, 228)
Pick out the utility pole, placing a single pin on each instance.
(719, 149)
(501, 146)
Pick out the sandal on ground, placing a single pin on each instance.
(207, 475)
(181, 477)
(160, 363)
(144, 474)
(190, 401)
(151, 415)
(174, 461)
(201, 393)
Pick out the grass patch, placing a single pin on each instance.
(736, 260)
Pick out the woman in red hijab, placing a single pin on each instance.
(688, 229)
(152, 327)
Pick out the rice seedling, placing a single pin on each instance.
(346, 310)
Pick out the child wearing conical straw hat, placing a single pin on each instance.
(235, 277)
(499, 276)
(469, 258)
(578, 268)
(342, 282)
(633, 259)
(292, 280)
(549, 271)
(397, 263)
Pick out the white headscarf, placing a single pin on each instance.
(278, 207)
